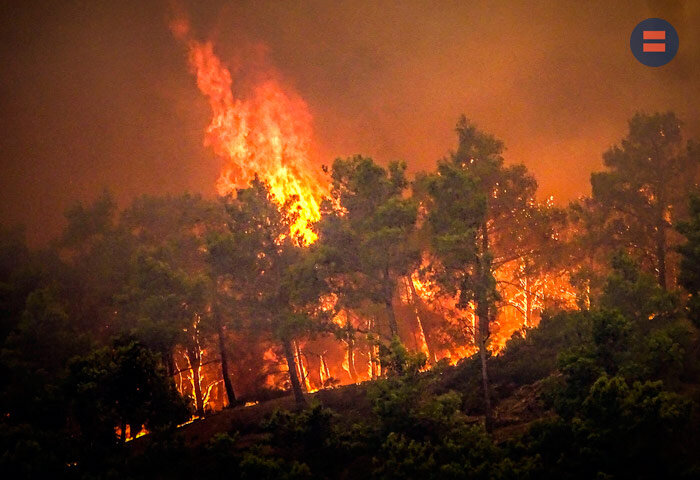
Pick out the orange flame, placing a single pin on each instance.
(267, 134)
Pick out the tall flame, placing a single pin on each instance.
(267, 134)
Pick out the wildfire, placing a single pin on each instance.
(267, 133)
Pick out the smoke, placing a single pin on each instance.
(99, 94)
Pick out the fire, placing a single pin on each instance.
(266, 133)
(524, 298)
(207, 376)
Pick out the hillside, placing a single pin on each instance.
(553, 420)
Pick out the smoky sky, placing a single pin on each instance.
(97, 94)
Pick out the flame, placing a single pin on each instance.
(302, 372)
(346, 362)
(525, 297)
(128, 437)
(267, 133)
(208, 375)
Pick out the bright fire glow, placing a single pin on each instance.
(266, 133)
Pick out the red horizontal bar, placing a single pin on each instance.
(654, 34)
(654, 47)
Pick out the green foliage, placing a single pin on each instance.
(310, 428)
(645, 188)
(611, 338)
(20, 274)
(256, 467)
(618, 431)
(87, 223)
(31, 453)
(665, 353)
(426, 435)
(637, 330)
(365, 236)
(532, 355)
(397, 360)
(161, 301)
(408, 404)
(689, 276)
(394, 401)
(257, 254)
(120, 386)
(637, 295)
(467, 452)
(457, 212)
(34, 358)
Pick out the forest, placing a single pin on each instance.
(447, 324)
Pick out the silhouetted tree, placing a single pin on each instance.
(645, 188)
(689, 276)
(258, 251)
(96, 250)
(481, 216)
(176, 230)
(126, 385)
(365, 233)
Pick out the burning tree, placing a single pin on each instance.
(366, 247)
(259, 248)
(167, 302)
(481, 217)
(365, 233)
(266, 134)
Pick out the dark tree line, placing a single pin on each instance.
(93, 325)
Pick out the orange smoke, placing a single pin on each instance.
(268, 133)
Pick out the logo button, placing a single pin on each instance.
(654, 42)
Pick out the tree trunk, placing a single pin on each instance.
(228, 386)
(424, 336)
(301, 370)
(195, 361)
(661, 254)
(373, 363)
(482, 336)
(293, 377)
(482, 307)
(393, 326)
(528, 303)
(389, 305)
(351, 360)
(170, 364)
(325, 372)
